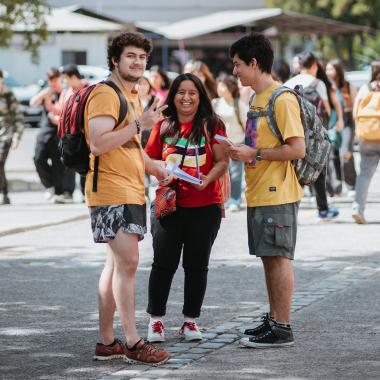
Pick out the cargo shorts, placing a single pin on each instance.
(272, 230)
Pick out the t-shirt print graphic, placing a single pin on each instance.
(251, 131)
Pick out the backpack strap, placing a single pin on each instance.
(270, 111)
(122, 114)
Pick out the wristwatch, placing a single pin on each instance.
(258, 155)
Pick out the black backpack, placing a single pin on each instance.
(74, 151)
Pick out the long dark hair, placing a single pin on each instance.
(375, 71)
(205, 114)
(339, 73)
(321, 75)
(165, 79)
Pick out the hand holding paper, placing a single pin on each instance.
(180, 174)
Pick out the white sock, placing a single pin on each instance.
(188, 319)
(155, 319)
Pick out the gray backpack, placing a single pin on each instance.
(317, 142)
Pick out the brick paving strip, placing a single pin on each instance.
(227, 333)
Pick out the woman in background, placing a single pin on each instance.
(145, 92)
(346, 94)
(160, 83)
(202, 71)
(369, 150)
(233, 113)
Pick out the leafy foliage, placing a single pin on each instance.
(30, 13)
(351, 49)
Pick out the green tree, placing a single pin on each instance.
(351, 49)
(31, 14)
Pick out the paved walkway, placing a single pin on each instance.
(48, 308)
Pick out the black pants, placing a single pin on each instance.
(69, 181)
(192, 230)
(319, 187)
(4, 150)
(48, 163)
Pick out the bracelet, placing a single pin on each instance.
(138, 127)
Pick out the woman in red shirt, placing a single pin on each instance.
(193, 227)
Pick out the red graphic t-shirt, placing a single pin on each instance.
(187, 194)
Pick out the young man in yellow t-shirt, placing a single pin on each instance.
(117, 208)
(273, 192)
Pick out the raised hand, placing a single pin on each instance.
(152, 115)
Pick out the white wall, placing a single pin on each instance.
(18, 62)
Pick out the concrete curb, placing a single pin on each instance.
(18, 230)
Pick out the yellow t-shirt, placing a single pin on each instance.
(121, 170)
(271, 183)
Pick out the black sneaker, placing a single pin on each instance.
(277, 336)
(261, 328)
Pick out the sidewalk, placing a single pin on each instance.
(47, 333)
(49, 268)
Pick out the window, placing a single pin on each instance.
(74, 57)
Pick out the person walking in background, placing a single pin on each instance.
(202, 71)
(296, 67)
(46, 155)
(72, 82)
(346, 93)
(366, 113)
(233, 113)
(280, 71)
(145, 92)
(160, 83)
(335, 127)
(316, 92)
(273, 192)
(117, 208)
(11, 129)
(146, 96)
(187, 136)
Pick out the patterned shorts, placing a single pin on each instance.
(107, 220)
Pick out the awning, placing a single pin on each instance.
(285, 22)
(68, 20)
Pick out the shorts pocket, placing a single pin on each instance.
(278, 230)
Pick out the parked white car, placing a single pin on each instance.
(358, 77)
(23, 95)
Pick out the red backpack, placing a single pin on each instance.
(74, 151)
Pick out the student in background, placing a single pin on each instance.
(160, 83)
(202, 71)
(233, 113)
(11, 129)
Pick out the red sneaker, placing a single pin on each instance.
(115, 350)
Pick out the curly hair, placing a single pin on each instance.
(257, 46)
(122, 40)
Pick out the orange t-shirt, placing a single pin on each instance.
(121, 170)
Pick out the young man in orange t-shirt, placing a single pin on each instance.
(117, 208)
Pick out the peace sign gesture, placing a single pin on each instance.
(152, 115)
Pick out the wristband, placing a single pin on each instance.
(138, 127)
